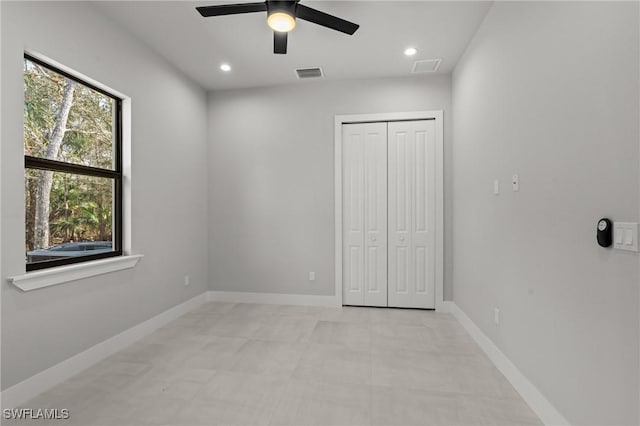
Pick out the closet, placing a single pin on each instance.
(389, 238)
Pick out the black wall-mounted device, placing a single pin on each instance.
(604, 233)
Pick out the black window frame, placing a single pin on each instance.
(31, 162)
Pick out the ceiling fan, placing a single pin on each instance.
(281, 18)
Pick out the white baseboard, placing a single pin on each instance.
(272, 298)
(527, 390)
(45, 380)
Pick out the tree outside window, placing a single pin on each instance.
(73, 176)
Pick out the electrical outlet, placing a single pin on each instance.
(312, 276)
(496, 316)
(187, 280)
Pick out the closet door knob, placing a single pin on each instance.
(401, 238)
(373, 238)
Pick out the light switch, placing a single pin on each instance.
(496, 187)
(625, 236)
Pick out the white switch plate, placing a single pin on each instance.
(312, 276)
(625, 236)
(496, 187)
(187, 280)
(496, 316)
(515, 183)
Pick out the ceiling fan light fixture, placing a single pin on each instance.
(281, 22)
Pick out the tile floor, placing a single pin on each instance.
(245, 364)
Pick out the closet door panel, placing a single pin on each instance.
(399, 161)
(375, 214)
(411, 159)
(364, 214)
(353, 216)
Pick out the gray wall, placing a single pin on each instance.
(271, 188)
(169, 188)
(550, 91)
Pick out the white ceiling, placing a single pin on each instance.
(197, 45)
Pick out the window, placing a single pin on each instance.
(73, 168)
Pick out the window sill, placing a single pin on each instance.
(48, 277)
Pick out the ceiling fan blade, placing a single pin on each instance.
(232, 9)
(326, 20)
(280, 43)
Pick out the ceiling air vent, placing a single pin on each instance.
(426, 65)
(304, 73)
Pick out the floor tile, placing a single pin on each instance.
(411, 369)
(479, 410)
(155, 410)
(151, 387)
(334, 363)
(252, 310)
(169, 373)
(219, 353)
(355, 336)
(443, 325)
(245, 364)
(270, 358)
(477, 375)
(404, 407)
(307, 312)
(398, 316)
(259, 391)
(285, 328)
(215, 412)
(237, 326)
(310, 403)
(393, 336)
(350, 314)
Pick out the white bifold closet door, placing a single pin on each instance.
(365, 214)
(412, 242)
(389, 214)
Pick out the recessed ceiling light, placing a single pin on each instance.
(225, 67)
(410, 51)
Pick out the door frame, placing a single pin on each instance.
(439, 184)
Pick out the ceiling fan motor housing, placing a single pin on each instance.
(288, 7)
